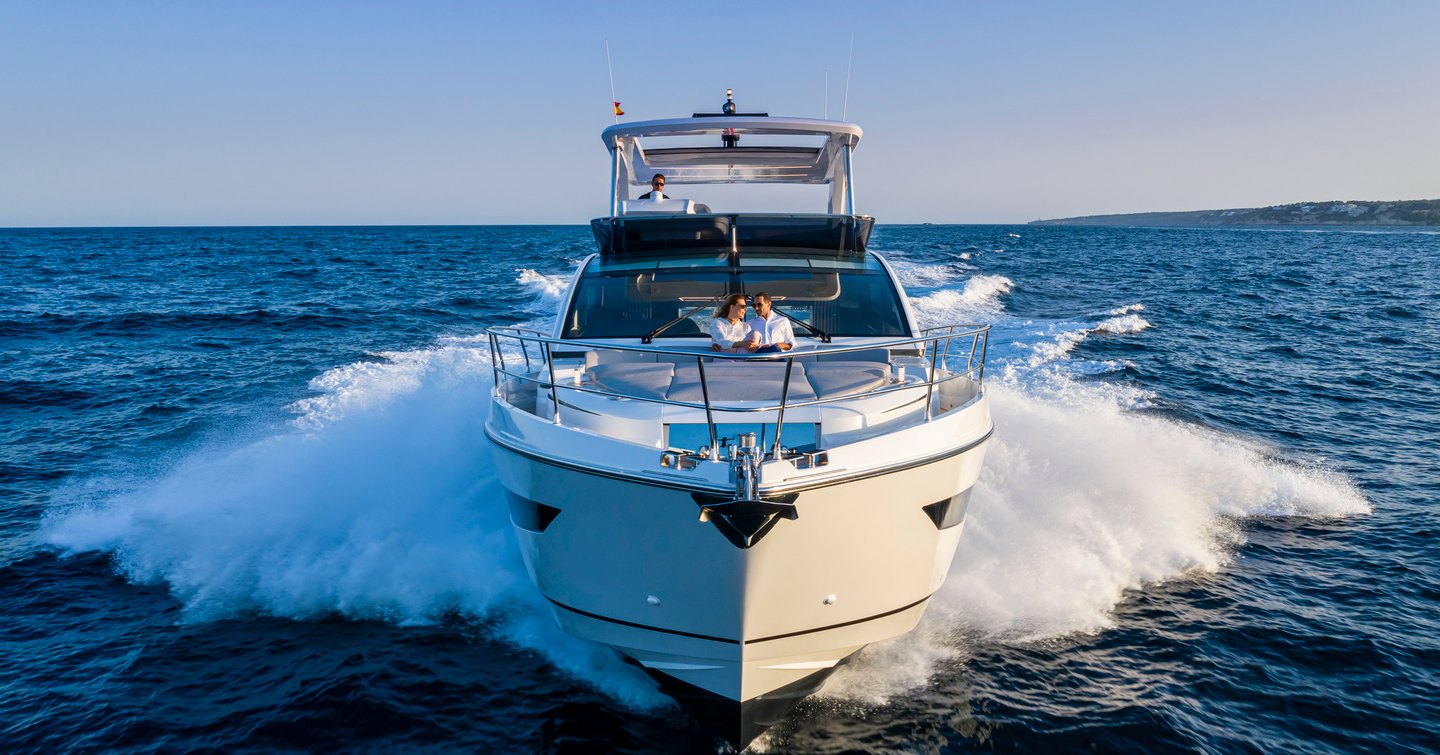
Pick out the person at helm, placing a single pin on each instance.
(657, 184)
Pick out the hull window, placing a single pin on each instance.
(530, 515)
(949, 512)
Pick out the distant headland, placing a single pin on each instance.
(1403, 212)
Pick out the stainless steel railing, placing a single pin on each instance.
(939, 368)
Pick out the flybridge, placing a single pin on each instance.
(733, 148)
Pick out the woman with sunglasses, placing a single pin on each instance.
(728, 329)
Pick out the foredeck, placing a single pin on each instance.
(641, 394)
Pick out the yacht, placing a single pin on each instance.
(738, 525)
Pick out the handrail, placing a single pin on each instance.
(525, 350)
(978, 333)
(745, 408)
(975, 329)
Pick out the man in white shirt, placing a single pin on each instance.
(773, 328)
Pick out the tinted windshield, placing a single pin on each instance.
(628, 299)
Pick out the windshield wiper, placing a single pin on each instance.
(824, 337)
(648, 337)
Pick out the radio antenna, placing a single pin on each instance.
(846, 108)
(827, 94)
(611, 70)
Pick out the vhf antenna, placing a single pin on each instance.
(611, 70)
(846, 109)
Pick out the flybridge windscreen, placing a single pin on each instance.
(626, 236)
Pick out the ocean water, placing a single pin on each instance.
(246, 503)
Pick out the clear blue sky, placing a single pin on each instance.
(198, 113)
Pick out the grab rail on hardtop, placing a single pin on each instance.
(978, 335)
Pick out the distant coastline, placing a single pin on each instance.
(1414, 212)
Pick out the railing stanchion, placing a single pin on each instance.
(784, 396)
(930, 389)
(494, 366)
(983, 350)
(709, 420)
(501, 354)
(554, 393)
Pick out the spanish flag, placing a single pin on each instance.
(618, 111)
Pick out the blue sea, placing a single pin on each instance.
(246, 504)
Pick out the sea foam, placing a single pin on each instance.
(1081, 499)
(379, 502)
(1079, 502)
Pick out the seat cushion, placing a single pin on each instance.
(740, 381)
(867, 355)
(831, 379)
(644, 379)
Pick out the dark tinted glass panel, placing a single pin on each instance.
(629, 304)
(863, 304)
(664, 235)
(802, 233)
(646, 236)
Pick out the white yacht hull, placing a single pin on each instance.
(737, 524)
(744, 632)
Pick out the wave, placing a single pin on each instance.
(1079, 502)
(1122, 325)
(979, 299)
(138, 322)
(923, 275)
(549, 289)
(40, 395)
(1413, 230)
(380, 503)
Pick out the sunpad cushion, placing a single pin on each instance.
(867, 355)
(846, 378)
(644, 379)
(740, 381)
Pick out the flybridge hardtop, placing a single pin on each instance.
(737, 163)
(730, 148)
(733, 148)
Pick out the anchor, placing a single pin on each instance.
(746, 518)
